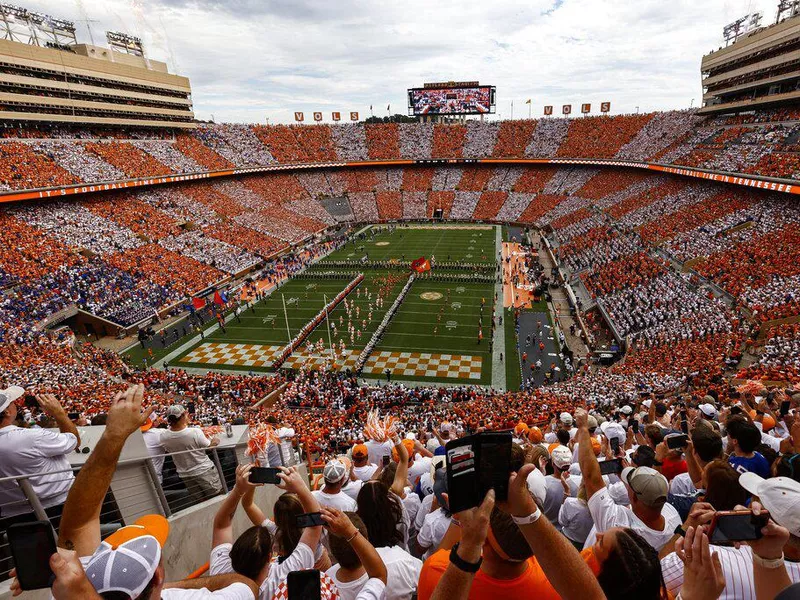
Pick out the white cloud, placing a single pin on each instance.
(253, 59)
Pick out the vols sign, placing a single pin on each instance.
(336, 116)
(298, 116)
(548, 110)
(566, 109)
(318, 116)
(605, 107)
(586, 108)
(354, 116)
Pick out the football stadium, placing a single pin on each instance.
(442, 354)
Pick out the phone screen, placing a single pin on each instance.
(785, 405)
(607, 467)
(32, 545)
(309, 520)
(677, 441)
(684, 423)
(635, 426)
(303, 585)
(264, 475)
(614, 445)
(738, 527)
(30, 401)
(493, 466)
(386, 460)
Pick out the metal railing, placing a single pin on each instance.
(137, 488)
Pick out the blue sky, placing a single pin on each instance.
(250, 60)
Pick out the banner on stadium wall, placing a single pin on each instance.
(336, 116)
(605, 107)
(298, 116)
(548, 110)
(586, 108)
(566, 109)
(318, 116)
(354, 116)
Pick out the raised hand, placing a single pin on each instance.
(126, 414)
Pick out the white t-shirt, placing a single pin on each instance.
(235, 591)
(606, 514)
(424, 509)
(402, 575)
(366, 472)
(31, 451)
(377, 450)
(682, 485)
(412, 505)
(189, 438)
(352, 488)
(152, 439)
(339, 500)
(422, 465)
(575, 520)
(301, 558)
(432, 531)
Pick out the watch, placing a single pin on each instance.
(463, 565)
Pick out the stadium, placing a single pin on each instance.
(184, 303)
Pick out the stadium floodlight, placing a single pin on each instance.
(37, 29)
(124, 43)
(787, 9)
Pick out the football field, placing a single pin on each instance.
(438, 334)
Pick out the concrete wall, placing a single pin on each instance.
(189, 544)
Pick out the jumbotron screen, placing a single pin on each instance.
(452, 101)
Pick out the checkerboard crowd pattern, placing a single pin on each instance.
(401, 364)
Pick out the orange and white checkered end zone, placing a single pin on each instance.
(417, 364)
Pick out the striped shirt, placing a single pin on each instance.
(737, 566)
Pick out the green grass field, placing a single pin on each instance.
(445, 242)
(429, 321)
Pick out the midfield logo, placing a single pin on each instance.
(451, 324)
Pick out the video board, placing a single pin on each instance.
(472, 100)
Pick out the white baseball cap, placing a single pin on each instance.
(708, 410)
(334, 471)
(565, 418)
(561, 457)
(613, 430)
(11, 394)
(779, 495)
(626, 410)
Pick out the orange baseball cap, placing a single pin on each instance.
(767, 422)
(521, 429)
(535, 435)
(153, 525)
(360, 451)
(596, 446)
(552, 447)
(409, 444)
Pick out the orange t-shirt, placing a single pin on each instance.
(531, 584)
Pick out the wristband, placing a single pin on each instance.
(768, 563)
(463, 565)
(679, 531)
(531, 518)
(352, 537)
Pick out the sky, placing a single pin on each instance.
(258, 61)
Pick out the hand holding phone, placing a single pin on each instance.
(32, 545)
(476, 464)
(737, 526)
(264, 475)
(313, 519)
(614, 445)
(676, 442)
(608, 467)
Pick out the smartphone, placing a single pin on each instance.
(684, 424)
(635, 426)
(32, 545)
(303, 585)
(614, 445)
(675, 442)
(608, 467)
(476, 464)
(73, 416)
(386, 460)
(736, 410)
(309, 520)
(785, 406)
(30, 401)
(264, 475)
(736, 526)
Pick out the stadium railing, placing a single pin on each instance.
(135, 490)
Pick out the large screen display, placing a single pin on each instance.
(451, 101)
